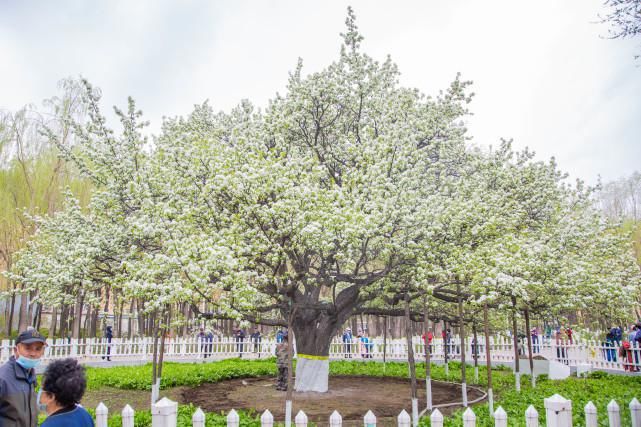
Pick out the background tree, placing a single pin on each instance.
(624, 18)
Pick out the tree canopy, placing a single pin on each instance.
(345, 194)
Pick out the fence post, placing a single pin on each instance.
(403, 419)
(164, 413)
(127, 416)
(558, 411)
(88, 342)
(267, 419)
(335, 420)
(288, 413)
(590, 415)
(436, 419)
(370, 419)
(197, 420)
(614, 416)
(233, 420)
(301, 419)
(531, 417)
(101, 415)
(500, 417)
(415, 409)
(469, 418)
(635, 412)
(74, 347)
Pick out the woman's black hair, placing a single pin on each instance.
(65, 379)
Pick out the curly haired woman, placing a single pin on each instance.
(63, 385)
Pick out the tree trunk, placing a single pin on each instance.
(462, 338)
(154, 367)
(120, 316)
(64, 312)
(36, 312)
(23, 321)
(130, 325)
(475, 351)
(87, 324)
(141, 317)
(410, 347)
(384, 341)
(428, 361)
(11, 312)
(30, 310)
(529, 346)
(313, 337)
(77, 319)
(445, 348)
(161, 350)
(106, 307)
(314, 329)
(488, 359)
(54, 323)
(517, 373)
(410, 361)
(93, 327)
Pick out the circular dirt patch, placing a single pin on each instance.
(352, 397)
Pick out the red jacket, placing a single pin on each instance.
(430, 336)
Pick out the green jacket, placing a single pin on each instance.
(282, 355)
(18, 407)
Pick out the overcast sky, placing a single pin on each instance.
(543, 74)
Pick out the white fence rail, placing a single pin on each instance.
(558, 413)
(610, 356)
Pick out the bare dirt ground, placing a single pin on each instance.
(352, 397)
(115, 399)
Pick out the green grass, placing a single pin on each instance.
(178, 374)
(600, 388)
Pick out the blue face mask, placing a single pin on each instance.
(41, 406)
(27, 363)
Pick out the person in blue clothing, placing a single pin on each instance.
(109, 334)
(63, 385)
(636, 345)
(347, 342)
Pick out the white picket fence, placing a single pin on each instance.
(597, 355)
(558, 413)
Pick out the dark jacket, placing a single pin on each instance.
(18, 406)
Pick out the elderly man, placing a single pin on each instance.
(18, 407)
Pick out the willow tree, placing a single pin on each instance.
(31, 178)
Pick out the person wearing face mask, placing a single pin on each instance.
(18, 407)
(63, 385)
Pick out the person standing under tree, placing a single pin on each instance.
(535, 340)
(108, 336)
(256, 339)
(202, 340)
(210, 342)
(282, 361)
(240, 338)
(18, 404)
(347, 342)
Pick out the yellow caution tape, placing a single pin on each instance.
(313, 357)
